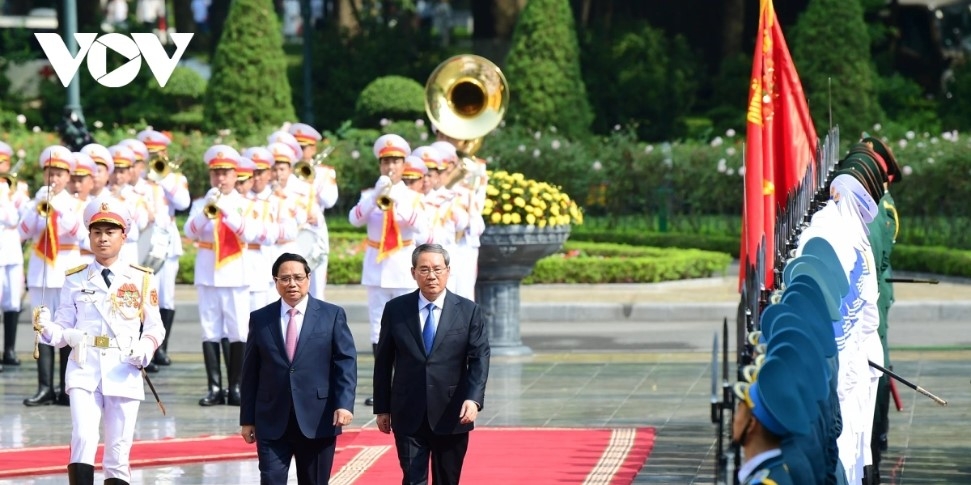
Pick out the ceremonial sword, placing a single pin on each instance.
(908, 383)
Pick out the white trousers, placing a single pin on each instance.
(120, 413)
(11, 287)
(318, 280)
(376, 299)
(258, 299)
(465, 268)
(166, 283)
(224, 312)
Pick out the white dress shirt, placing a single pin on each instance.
(423, 311)
(301, 307)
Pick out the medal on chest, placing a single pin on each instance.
(126, 301)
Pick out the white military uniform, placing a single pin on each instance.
(222, 284)
(170, 194)
(261, 214)
(387, 268)
(123, 157)
(102, 323)
(12, 201)
(325, 190)
(840, 224)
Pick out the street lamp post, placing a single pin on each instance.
(72, 128)
(308, 38)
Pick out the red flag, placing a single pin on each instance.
(780, 140)
(390, 235)
(226, 244)
(48, 242)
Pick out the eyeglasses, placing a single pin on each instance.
(299, 278)
(424, 271)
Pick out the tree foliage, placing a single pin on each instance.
(831, 41)
(392, 97)
(249, 90)
(543, 69)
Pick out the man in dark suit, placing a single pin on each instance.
(299, 379)
(430, 372)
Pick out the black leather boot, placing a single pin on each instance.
(80, 474)
(115, 481)
(235, 371)
(162, 353)
(62, 398)
(370, 401)
(45, 379)
(214, 377)
(10, 338)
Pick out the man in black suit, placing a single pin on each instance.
(299, 379)
(430, 372)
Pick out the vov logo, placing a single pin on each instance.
(134, 48)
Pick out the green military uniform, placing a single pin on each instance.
(883, 233)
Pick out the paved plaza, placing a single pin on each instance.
(648, 368)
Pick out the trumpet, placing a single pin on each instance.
(211, 209)
(43, 208)
(305, 171)
(468, 170)
(161, 166)
(11, 176)
(383, 199)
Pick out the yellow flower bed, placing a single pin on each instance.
(511, 198)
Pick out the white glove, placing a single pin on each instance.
(73, 336)
(383, 181)
(4, 189)
(141, 353)
(213, 194)
(41, 193)
(43, 321)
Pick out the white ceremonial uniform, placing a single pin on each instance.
(262, 214)
(447, 219)
(70, 231)
(86, 257)
(286, 223)
(465, 260)
(295, 198)
(224, 290)
(12, 202)
(138, 206)
(325, 187)
(171, 194)
(391, 276)
(100, 379)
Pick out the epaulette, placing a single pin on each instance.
(143, 268)
(76, 269)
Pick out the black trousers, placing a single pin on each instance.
(447, 453)
(315, 457)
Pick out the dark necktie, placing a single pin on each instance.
(428, 333)
(106, 274)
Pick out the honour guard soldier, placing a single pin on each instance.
(258, 213)
(325, 191)
(217, 225)
(102, 306)
(13, 198)
(104, 166)
(52, 222)
(394, 218)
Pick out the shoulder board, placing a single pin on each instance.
(76, 269)
(142, 268)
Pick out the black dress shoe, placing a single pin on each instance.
(10, 358)
(161, 358)
(215, 396)
(43, 397)
(151, 368)
(369, 401)
(63, 399)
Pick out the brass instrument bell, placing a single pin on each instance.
(211, 209)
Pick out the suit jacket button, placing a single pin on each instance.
(291, 370)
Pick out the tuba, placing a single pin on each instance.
(466, 98)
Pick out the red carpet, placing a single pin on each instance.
(496, 455)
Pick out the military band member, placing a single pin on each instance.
(296, 195)
(447, 216)
(82, 183)
(167, 195)
(325, 190)
(413, 175)
(394, 218)
(262, 191)
(104, 166)
(470, 199)
(140, 151)
(287, 139)
(121, 180)
(54, 227)
(217, 225)
(13, 198)
(102, 306)
(259, 213)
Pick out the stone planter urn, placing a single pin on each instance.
(507, 254)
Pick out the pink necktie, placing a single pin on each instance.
(291, 342)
